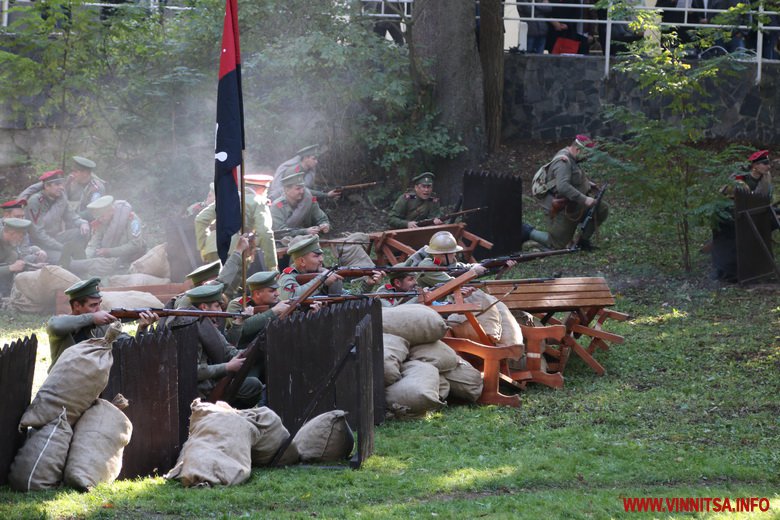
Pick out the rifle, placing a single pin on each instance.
(228, 386)
(134, 314)
(589, 215)
(498, 262)
(429, 221)
(349, 187)
(343, 298)
(357, 272)
(457, 207)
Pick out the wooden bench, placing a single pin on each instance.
(163, 292)
(396, 245)
(578, 304)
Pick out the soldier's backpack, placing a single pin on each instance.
(540, 185)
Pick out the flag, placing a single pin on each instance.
(230, 133)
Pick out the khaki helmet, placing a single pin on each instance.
(442, 243)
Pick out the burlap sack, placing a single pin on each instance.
(18, 300)
(271, 435)
(489, 317)
(438, 353)
(465, 381)
(129, 300)
(99, 440)
(154, 262)
(415, 323)
(75, 381)
(353, 251)
(326, 438)
(35, 291)
(132, 280)
(94, 267)
(41, 460)
(417, 392)
(510, 329)
(396, 351)
(218, 450)
(444, 387)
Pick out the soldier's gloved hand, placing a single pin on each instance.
(315, 306)
(510, 264)
(437, 221)
(376, 277)
(146, 319)
(16, 267)
(84, 228)
(589, 201)
(314, 230)
(411, 224)
(280, 308)
(242, 244)
(479, 269)
(102, 317)
(467, 291)
(325, 228)
(41, 257)
(334, 194)
(234, 365)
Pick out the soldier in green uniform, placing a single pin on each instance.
(216, 357)
(297, 212)
(85, 320)
(400, 283)
(116, 231)
(50, 212)
(12, 260)
(421, 204)
(264, 291)
(305, 163)
(306, 257)
(34, 241)
(573, 189)
(757, 180)
(257, 220)
(193, 209)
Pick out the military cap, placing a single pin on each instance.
(313, 149)
(584, 141)
(84, 162)
(51, 176)
(425, 178)
(16, 223)
(84, 289)
(205, 293)
(101, 204)
(258, 179)
(303, 244)
(396, 275)
(205, 273)
(263, 279)
(292, 177)
(759, 156)
(13, 204)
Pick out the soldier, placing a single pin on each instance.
(35, 242)
(412, 207)
(264, 290)
(757, 180)
(568, 199)
(441, 252)
(193, 209)
(116, 231)
(306, 257)
(216, 357)
(257, 219)
(398, 282)
(85, 320)
(305, 163)
(83, 186)
(50, 212)
(12, 259)
(297, 211)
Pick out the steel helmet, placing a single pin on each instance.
(442, 243)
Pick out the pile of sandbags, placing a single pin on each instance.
(154, 262)
(132, 280)
(36, 291)
(224, 443)
(419, 367)
(69, 395)
(129, 300)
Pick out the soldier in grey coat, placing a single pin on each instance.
(297, 211)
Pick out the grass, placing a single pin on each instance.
(688, 408)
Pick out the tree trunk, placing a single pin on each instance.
(444, 44)
(491, 54)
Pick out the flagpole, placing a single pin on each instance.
(243, 231)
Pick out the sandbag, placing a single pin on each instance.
(218, 450)
(18, 299)
(465, 381)
(99, 440)
(326, 438)
(353, 252)
(444, 388)
(396, 350)
(132, 280)
(40, 462)
(510, 329)
(94, 267)
(414, 322)
(36, 291)
(438, 353)
(417, 392)
(129, 300)
(77, 378)
(154, 262)
(489, 317)
(271, 435)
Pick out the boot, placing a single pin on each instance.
(525, 233)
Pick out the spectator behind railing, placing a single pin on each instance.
(537, 31)
(563, 37)
(622, 34)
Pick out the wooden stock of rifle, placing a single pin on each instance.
(357, 272)
(355, 186)
(429, 221)
(134, 314)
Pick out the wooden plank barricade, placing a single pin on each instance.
(17, 367)
(157, 373)
(753, 217)
(303, 350)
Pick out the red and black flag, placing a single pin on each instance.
(230, 134)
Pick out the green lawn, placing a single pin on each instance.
(689, 408)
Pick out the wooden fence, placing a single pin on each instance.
(754, 219)
(157, 373)
(500, 223)
(303, 351)
(17, 367)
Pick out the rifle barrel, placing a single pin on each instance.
(122, 313)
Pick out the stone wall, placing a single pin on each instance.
(556, 97)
